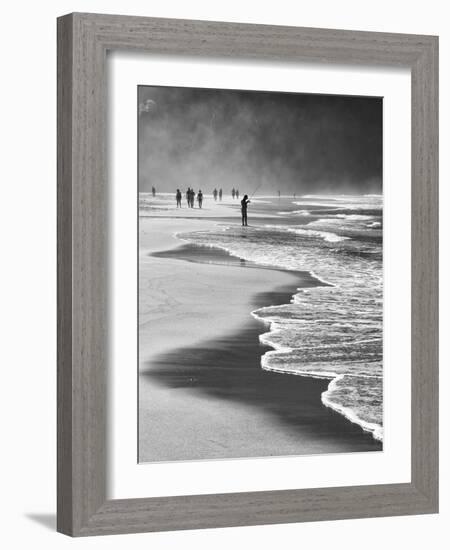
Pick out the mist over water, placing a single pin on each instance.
(272, 141)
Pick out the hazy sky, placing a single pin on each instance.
(299, 143)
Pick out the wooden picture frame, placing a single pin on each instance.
(83, 41)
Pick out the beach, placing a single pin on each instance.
(202, 391)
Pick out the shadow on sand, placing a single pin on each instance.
(229, 368)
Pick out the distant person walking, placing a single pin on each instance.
(233, 193)
(178, 197)
(153, 191)
(237, 193)
(244, 203)
(215, 194)
(190, 193)
(200, 198)
(220, 194)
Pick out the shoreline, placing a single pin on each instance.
(215, 386)
(164, 303)
(213, 255)
(216, 256)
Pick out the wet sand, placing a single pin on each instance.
(202, 392)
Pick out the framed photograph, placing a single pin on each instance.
(247, 274)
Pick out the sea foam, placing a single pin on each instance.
(333, 330)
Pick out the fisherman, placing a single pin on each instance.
(233, 193)
(220, 194)
(244, 203)
(178, 197)
(215, 194)
(200, 198)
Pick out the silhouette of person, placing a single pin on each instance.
(233, 193)
(178, 197)
(279, 194)
(237, 193)
(215, 194)
(244, 203)
(200, 198)
(220, 194)
(153, 191)
(188, 196)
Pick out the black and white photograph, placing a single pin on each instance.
(260, 274)
(223, 240)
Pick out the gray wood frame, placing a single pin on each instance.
(83, 40)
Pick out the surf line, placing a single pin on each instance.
(374, 429)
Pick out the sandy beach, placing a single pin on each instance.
(202, 392)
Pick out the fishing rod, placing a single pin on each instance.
(259, 185)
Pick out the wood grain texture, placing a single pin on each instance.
(425, 272)
(64, 298)
(83, 40)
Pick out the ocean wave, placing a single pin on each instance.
(361, 202)
(352, 393)
(321, 204)
(333, 399)
(333, 330)
(295, 212)
(353, 216)
(325, 235)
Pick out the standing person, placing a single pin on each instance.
(215, 194)
(178, 197)
(237, 193)
(153, 191)
(233, 193)
(244, 203)
(200, 198)
(279, 195)
(220, 194)
(192, 197)
(188, 196)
